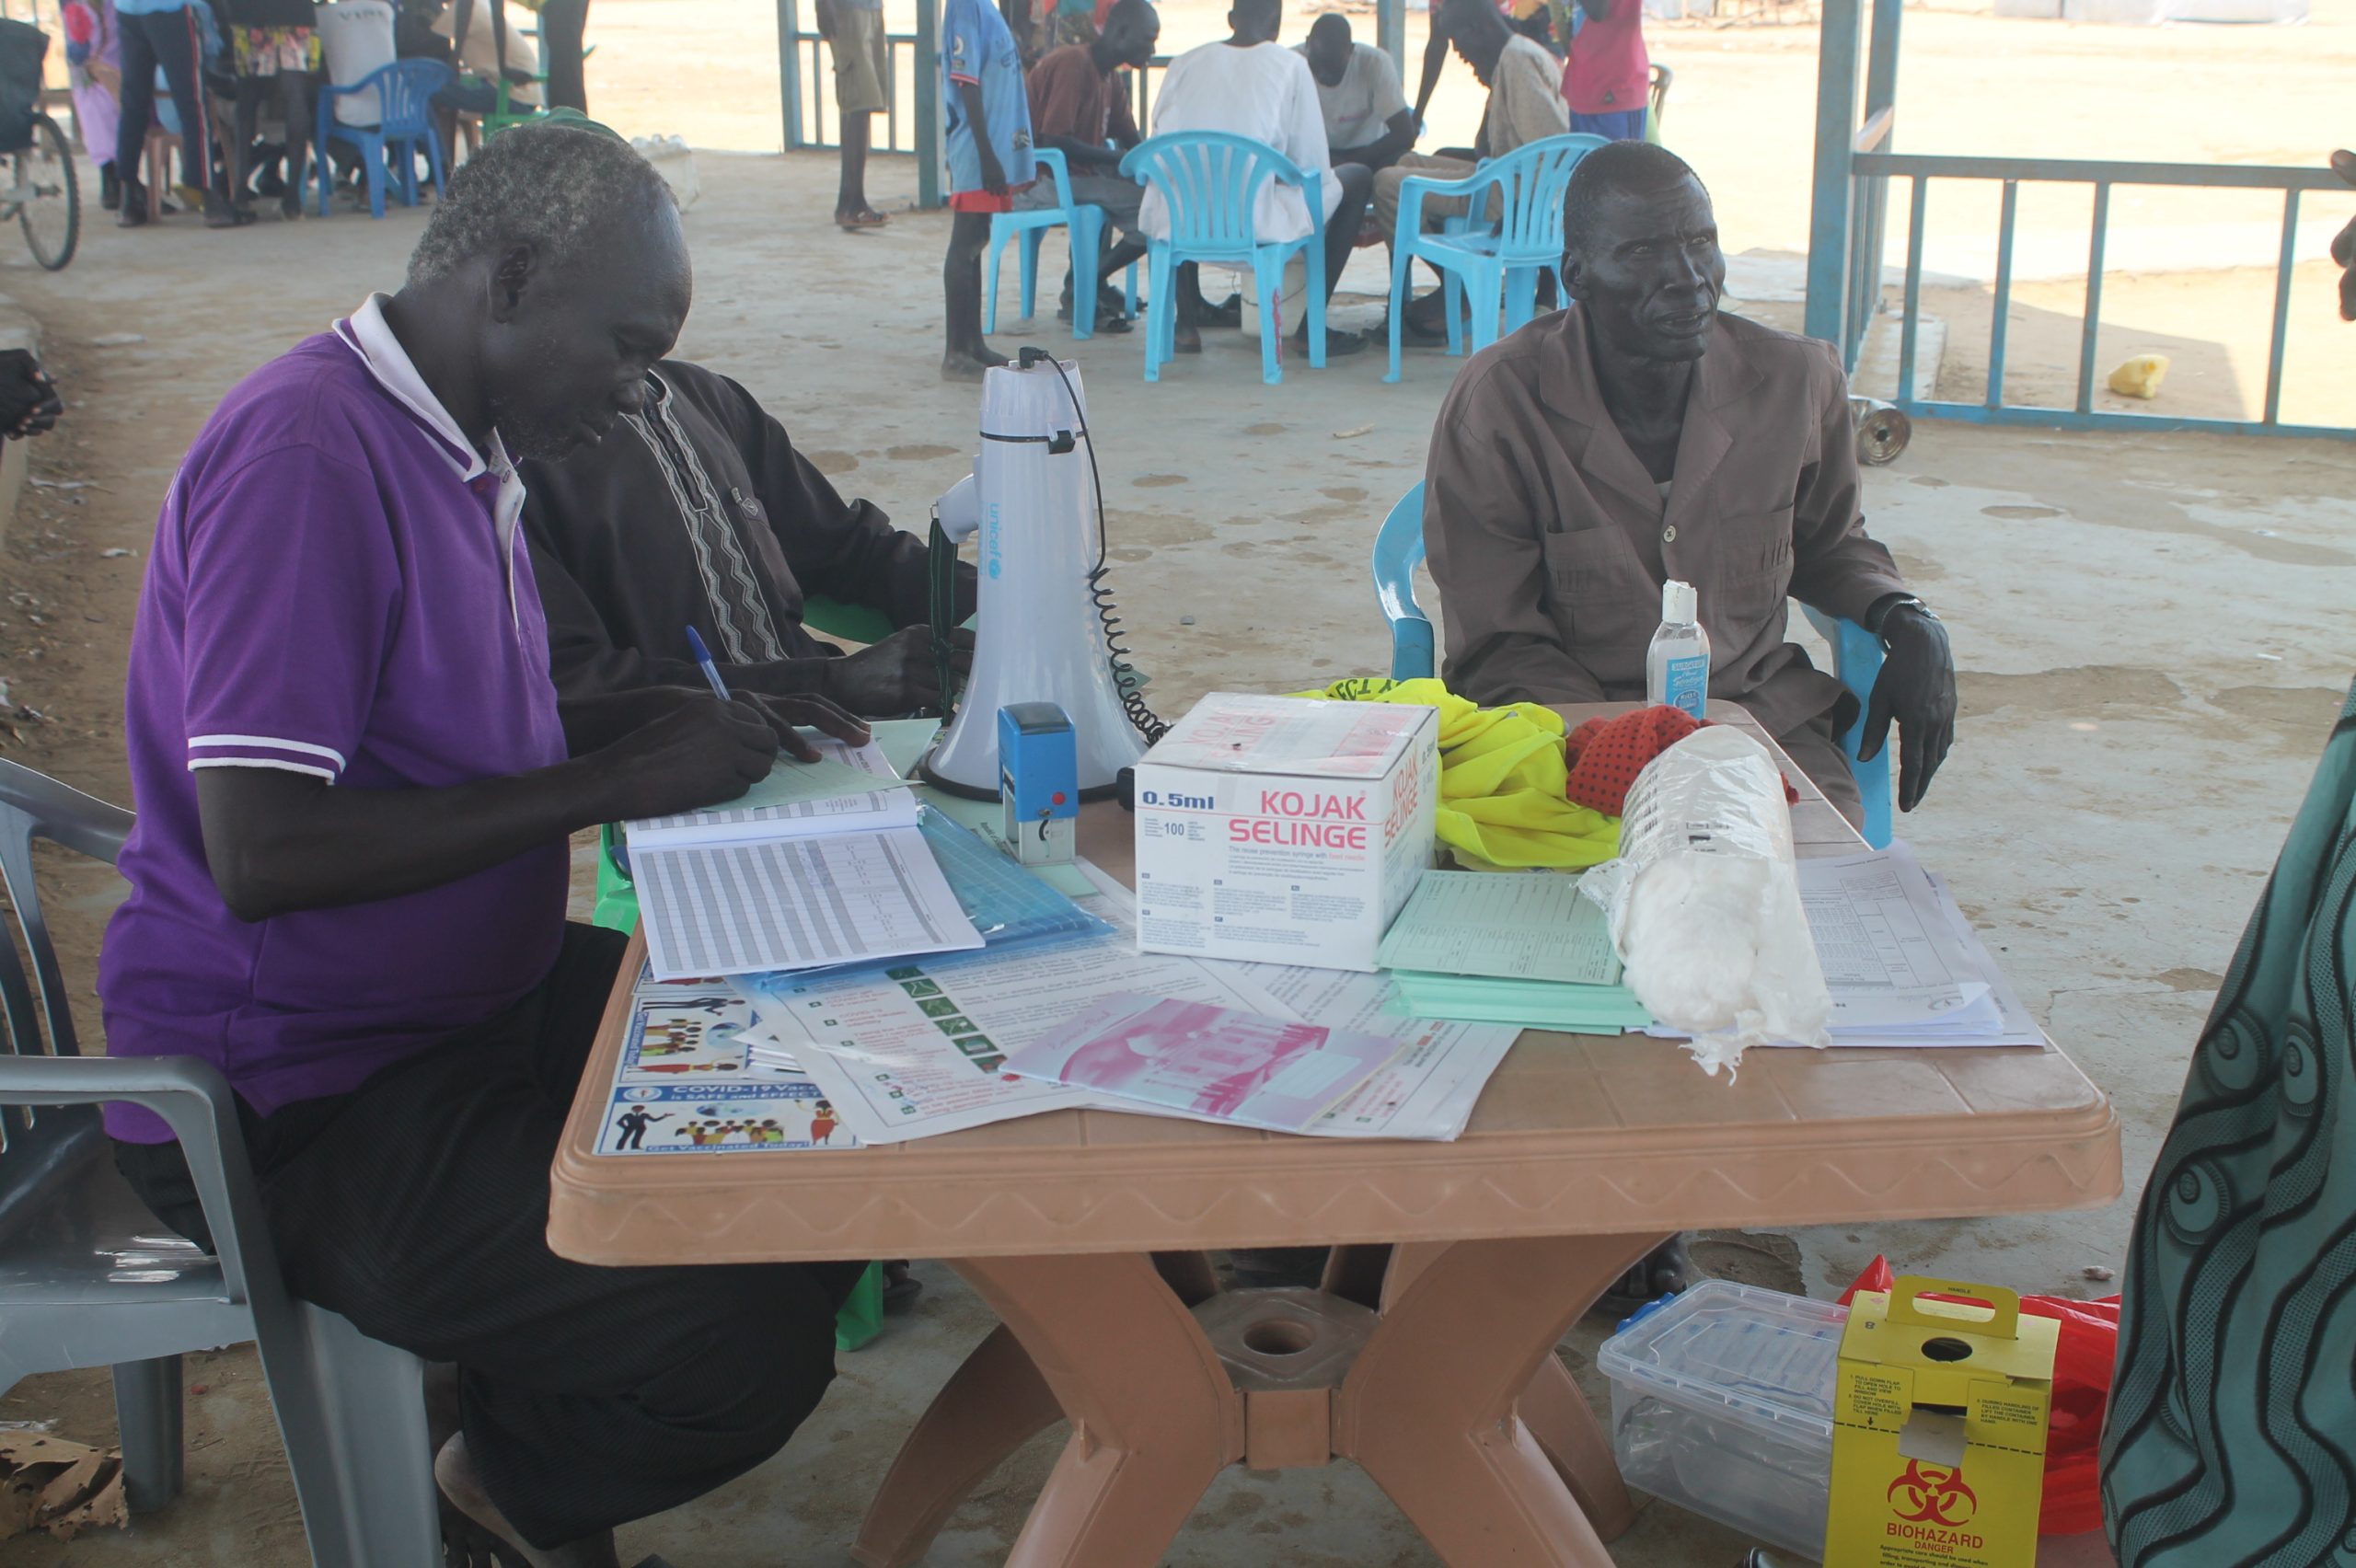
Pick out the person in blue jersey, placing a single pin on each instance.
(988, 113)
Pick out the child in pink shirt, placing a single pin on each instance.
(1609, 78)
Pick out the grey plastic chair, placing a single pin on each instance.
(89, 1278)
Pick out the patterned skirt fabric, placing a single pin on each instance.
(265, 52)
(2232, 1438)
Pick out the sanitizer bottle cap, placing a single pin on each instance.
(1678, 602)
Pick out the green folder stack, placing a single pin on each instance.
(1484, 947)
(1532, 1004)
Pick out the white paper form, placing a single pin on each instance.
(1993, 1016)
(919, 1048)
(795, 902)
(1889, 949)
(848, 788)
(1427, 1091)
(1530, 926)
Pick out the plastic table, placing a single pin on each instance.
(1428, 1358)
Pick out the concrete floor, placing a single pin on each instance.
(2151, 635)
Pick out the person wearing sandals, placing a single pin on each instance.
(166, 34)
(854, 33)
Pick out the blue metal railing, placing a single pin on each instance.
(1868, 218)
(1874, 170)
(819, 124)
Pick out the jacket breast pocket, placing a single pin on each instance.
(1600, 589)
(1753, 570)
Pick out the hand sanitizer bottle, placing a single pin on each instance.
(1677, 665)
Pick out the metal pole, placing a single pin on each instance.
(1390, 32)
(2282, 306)
(1918, 203)
(2000, 324)
(1881, 62)
(2090, 330)
(927, 104)
(788, 72)
(1836, 128)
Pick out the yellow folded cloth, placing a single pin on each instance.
(1501, 780)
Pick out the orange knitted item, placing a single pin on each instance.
(1606, 754)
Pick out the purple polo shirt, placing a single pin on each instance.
(335, 589)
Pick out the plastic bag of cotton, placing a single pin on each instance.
(676, 163)
(1705, 904)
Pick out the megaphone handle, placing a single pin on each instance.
(941, 561)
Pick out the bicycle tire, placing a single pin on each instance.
(46, 169)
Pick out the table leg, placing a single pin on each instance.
(992, 1405)
(1566, 1432)
(1428, 1410)
(1552, 1408)
(1154, 1417)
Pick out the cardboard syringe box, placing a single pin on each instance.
(1285, 830)
(1938, 1429)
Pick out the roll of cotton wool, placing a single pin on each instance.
(1704, 901)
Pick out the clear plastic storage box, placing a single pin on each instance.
(1722, 1403)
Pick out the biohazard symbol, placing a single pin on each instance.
(1932, 1494)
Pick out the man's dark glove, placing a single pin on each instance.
(1916, 687)
(28, 399)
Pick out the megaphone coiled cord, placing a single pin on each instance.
(1126, 679)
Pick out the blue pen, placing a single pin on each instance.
(703, 659)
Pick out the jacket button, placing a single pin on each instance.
(1668, 534)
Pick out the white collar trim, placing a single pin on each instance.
(368, 335)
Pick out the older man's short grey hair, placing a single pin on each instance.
(553, 188)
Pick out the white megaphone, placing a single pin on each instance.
(1032, 499)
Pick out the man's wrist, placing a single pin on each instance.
(1891, 613)
(792, 677)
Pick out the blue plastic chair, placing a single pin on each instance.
(1398, 550)
(405, 118)
(1211, 181)
(1495, 262)
(1086, 221)
(1856, 662)
(1856, 652)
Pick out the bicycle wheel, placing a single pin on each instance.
(51, 207)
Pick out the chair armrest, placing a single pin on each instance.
(1053, 160)
(1416, 187)
(200, 1108)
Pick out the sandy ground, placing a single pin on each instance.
(2147, 629)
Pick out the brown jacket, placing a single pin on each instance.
(1550, 542)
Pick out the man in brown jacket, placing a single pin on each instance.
(1639, 435)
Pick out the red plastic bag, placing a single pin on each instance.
(2082, 1367)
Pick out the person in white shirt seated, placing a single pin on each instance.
(1367, 118)
(1250, 85)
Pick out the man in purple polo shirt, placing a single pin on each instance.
(355, 783)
